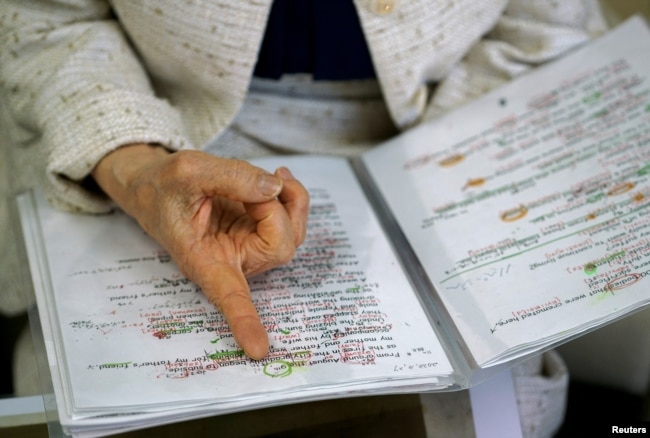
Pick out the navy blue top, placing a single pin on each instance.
(321, 37)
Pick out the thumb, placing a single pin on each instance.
(237, 180)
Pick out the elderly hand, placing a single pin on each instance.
(221, 220)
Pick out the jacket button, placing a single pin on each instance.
(383, 7)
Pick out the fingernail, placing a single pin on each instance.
(269, 185)
(285, 173)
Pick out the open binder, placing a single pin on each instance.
(463, 246)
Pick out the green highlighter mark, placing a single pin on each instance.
(226, 354)
(279, 368)
(590, 268)
(592, 98)
(644, 170)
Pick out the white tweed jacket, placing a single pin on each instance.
(80, 78)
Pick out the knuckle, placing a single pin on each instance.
(182, 164)
(286, 251)
(236, 169)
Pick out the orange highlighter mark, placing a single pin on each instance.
(514, 214)
(451, 161)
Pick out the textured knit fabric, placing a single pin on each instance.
(83, 77)
(541, 389)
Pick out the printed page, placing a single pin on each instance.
(529, 208)
(136, 336)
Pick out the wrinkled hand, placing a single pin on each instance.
(221, 220)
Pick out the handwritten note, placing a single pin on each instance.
(529, 208)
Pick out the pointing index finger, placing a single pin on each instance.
(228, 291)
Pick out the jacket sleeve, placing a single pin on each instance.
(529, 33)
(75, 90)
